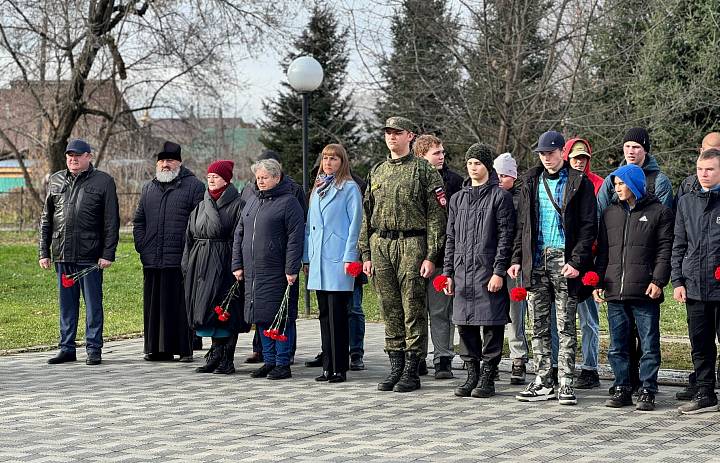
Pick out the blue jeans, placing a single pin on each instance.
(276, 352)
(356, 320)
(647, 320)
(91, 287)
(589, 328)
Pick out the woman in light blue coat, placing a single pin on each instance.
(331, 236)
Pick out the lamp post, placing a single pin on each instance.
(305, 75)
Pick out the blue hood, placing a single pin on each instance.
(634, 178)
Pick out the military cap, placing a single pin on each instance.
(400, 123)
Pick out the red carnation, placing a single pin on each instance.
(274, 332)
(266, 333)
(439, 282)
(591, 279)
(223, 317)
(717, 273)
(218, 309)
(518, 294)
(354, 269)
(66, 281)
(281, 338)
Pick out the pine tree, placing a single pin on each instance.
(331, 118)
(602, 109)
(421, 75)
(676, 90)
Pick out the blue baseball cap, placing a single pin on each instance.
(79, 146)
(550, 141)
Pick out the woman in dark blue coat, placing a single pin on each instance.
(267, 254)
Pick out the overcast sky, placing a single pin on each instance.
(369, 33)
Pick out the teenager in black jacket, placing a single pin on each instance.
(633, 262)
(695, 271)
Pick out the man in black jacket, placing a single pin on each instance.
(79, 228)
(159, 233)
(695, 272)
(633, 263)
(442, 330)
(690, 184)
(557, 224)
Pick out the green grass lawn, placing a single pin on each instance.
(29, 309)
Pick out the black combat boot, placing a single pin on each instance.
(486, 388)
(397, 363)
(473, 370)
(227, 363)
(410, 379)
(213, 356)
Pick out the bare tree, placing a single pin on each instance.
(56, 52)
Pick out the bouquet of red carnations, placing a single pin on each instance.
(279, 325)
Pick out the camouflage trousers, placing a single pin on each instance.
(401, 291)
(547, 285)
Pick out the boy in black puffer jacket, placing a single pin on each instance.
(633, 262)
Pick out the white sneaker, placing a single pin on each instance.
(566, 393)
(536, 392)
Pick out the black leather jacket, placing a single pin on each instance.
(80, 222)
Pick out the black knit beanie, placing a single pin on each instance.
(638, 135)
(483, 153)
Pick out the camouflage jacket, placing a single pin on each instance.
(402, 195)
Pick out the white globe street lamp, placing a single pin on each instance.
(305, 75)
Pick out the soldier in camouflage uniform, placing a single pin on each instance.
(402, 232)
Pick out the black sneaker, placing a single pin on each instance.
(262, 372)
(356, 362)
(646, 401)
(622, 397)
(588, 379)
(701, 403)
(280, 372)
(517, 374)
(93, 358)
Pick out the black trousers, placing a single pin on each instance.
(481, 343)
(703, 324)
(334, 332)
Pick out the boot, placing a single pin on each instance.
(227, 364)
(486, 387)
(213, 357)
(473, 368)
(397, 363)
(410, 379)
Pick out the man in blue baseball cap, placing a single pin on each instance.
(553, 248)
(79, 229)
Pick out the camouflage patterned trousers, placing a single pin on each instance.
(401, 291)
(547, 285)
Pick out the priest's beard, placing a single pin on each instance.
(166, 176)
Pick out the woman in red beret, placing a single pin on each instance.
(212, 310)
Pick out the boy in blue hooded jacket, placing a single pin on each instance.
(633, 262)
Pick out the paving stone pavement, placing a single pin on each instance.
(129, 410)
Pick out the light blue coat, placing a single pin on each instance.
(331, 236)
